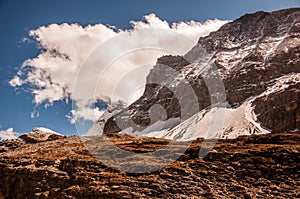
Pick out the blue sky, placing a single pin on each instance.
(18, 17)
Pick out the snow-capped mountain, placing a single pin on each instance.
(37, 133)
(43, 130)
(257, 59)
(40, 134)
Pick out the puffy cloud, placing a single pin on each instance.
(85, 113)
(16, 81)
(8, 134)
(65, 48)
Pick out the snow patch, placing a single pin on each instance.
(237, 121)
(282, 83)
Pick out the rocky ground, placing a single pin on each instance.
(257, 166)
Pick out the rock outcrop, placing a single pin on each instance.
(280, 111)
(35, 136)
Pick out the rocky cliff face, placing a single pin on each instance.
(258, 166)
(251, 54)
(280, 111)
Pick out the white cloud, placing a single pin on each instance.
(8, 134)
(16, 81)
(65, 47)
(85, 113)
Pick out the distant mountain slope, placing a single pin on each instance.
(254, 55)
(38, 134)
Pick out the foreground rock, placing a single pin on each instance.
(258, 166)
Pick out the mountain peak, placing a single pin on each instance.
(252, 54)
(40, 134)
(44, 130)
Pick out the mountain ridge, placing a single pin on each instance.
(250, 53)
